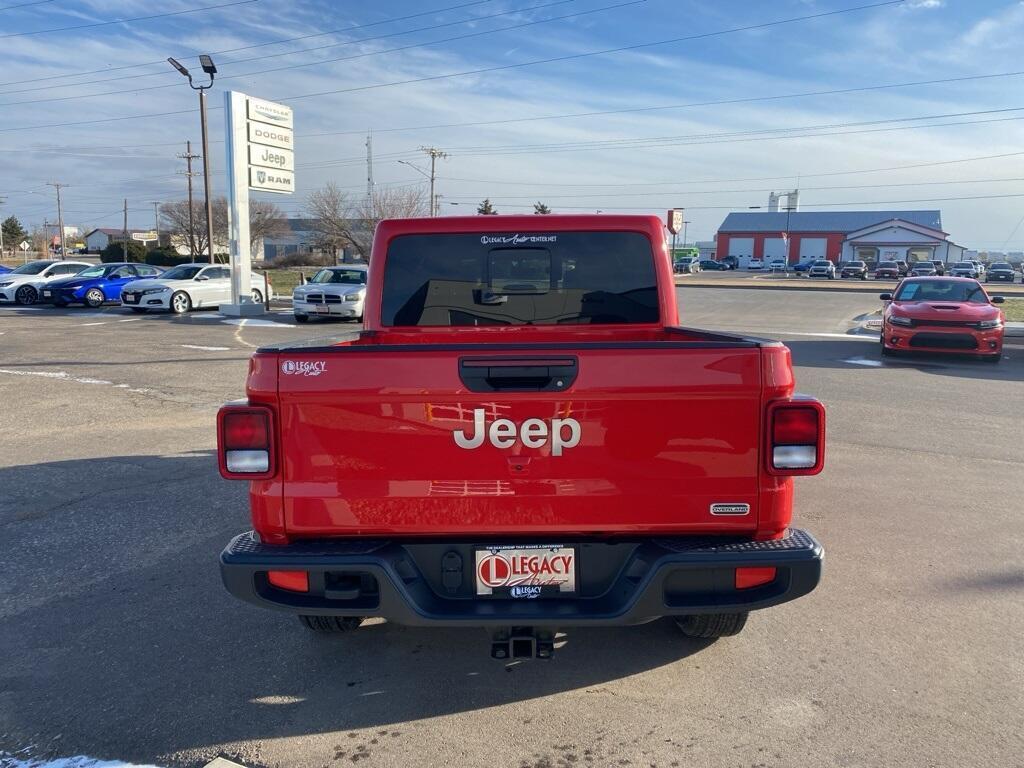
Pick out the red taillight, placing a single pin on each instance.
(244, 430)
(293, 581)
(795, 426)
(245, 442)
(796, 437)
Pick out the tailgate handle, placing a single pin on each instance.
(518, 374)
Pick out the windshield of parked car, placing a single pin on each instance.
(181, 272)
(924, 265)
(942, 290)
(99, 271)
(1001, 265)
(519, 278)
(342, 276)
(32, 268)
(964, 265)
(855, 264)
(887, 265)
(822, 263)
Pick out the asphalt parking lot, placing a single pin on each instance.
(120, 642)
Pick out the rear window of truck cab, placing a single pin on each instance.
(549, 278)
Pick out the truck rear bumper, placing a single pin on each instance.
(621, 582)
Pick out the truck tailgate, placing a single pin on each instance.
(665, 433)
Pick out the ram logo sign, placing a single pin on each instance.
(534, 433)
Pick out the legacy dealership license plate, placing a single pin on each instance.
(46, 294)
(526, 571)
(323, 310)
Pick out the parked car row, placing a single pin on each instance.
(142, 287)
(882, 270)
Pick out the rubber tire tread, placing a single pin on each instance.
(331, 624)
(711, 625)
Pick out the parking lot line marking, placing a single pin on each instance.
(130, 320)
(62, 375)
(86, 325)
(246, 322)
(848, 336)
(864, 361)
(205, 349)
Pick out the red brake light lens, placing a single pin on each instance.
(246, 430)
(795, 426)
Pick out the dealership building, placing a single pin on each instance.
(835, 235)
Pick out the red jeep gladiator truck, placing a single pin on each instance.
(522, 437)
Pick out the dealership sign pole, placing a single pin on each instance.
(260, 155)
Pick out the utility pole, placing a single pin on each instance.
(369, 167)
(2, 201)
(156, 220)
(188, 157)
(124, 243)
(60, 216)
(434, 155)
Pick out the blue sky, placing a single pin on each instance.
(702, 158)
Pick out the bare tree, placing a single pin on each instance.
(265, 220)
(341, 221)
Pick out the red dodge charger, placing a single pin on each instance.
(943, 314)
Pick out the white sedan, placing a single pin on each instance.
(332, 292)
(186, 287)
(24, 284)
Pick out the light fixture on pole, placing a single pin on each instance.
(210, 69)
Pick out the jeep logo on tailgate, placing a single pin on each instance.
(535, 433)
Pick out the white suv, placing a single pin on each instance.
(822, 268)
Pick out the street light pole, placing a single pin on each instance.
(684, 233)
(210, 69)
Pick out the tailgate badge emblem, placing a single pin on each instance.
(303, 367)
(730, 509)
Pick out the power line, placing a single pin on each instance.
(718, 102)
(342, 58)
(126, 21)
(620, 49)
(690, 191)
(802, 203)
(504, 67)
(162, 73)
(162, 62)
(24, 5)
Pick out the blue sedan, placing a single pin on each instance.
(96, 285)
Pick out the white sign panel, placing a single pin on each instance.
(144, 237)
(272, 136)
(24, 245)
(269, 112)
(271, 157)
(271, 181)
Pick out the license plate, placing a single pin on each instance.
(131, 298)
(46, 294)
(526, 571)
(321, 310)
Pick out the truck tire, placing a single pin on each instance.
(331, 624)
(711, 625)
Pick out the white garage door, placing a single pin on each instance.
(742, 248)
(774, 248)
(813, 248)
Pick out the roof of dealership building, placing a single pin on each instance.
(823, 221)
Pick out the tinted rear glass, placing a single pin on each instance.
(519, 279)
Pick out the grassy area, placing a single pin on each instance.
(1014, 310)
(284, 280)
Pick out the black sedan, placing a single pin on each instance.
(713, 265)
(999, 272)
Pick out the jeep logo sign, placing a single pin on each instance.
(534, 433)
